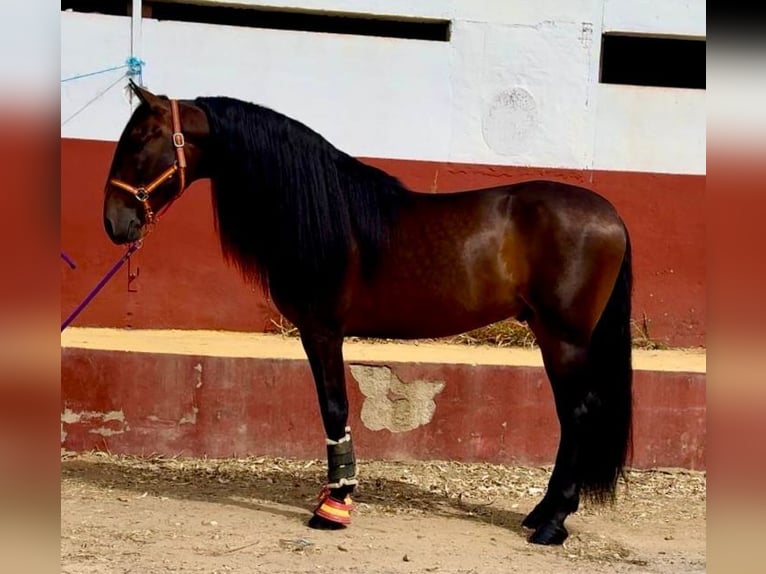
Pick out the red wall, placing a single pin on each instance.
(142, 403)
(184, 283)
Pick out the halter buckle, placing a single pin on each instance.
(178, 140)
(142, 195)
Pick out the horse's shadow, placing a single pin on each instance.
(291, 494)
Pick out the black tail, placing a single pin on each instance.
(606, 440)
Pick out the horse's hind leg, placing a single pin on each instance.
(325, 354)
(566, 366)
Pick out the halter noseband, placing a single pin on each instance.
(179, 166)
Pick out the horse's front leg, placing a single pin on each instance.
(325, 354)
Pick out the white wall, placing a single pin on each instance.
(641, 126)
(517, 84)
(370, 96)
(90, 43)
(666, 17)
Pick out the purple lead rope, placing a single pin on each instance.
(120, 262)
(68, 260)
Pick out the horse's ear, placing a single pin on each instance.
(145, 95)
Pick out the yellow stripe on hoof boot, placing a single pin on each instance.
(335, 511)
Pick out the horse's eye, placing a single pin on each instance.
(136, 143)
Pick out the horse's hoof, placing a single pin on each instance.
(540, 514)
(319, 523)
(549, 533)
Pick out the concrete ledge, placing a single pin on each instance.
(231, 394)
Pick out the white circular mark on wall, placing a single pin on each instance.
(509, 120)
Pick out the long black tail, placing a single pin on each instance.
(606, 440)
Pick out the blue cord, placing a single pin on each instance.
(80, 76)
(133, 64)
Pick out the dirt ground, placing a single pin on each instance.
(159, 515)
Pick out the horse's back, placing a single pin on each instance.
(533, 211)
(524, 197)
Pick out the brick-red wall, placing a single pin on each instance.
(250, 406)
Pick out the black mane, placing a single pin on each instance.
(290, 207)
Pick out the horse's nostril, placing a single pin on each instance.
(108, 227)
(133, 227)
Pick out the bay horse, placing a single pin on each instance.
(345, 249)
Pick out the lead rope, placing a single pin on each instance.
(132, 248)
(100, 285)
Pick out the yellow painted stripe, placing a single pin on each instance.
(334, 511)
(260, 345)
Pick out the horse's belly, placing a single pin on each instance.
(404, 316)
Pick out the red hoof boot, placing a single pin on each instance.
(334, 511)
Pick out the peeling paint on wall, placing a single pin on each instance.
(92, 418)
(70, 417)
(189, 418)
(392, 404)
(198, 376)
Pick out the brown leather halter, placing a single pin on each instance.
(143, 193)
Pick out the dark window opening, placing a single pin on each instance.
(653, 61)
(259, 17)
(110, 7)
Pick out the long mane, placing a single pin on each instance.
(290, 207)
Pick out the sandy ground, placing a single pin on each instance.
(231, 344)
(123, 514)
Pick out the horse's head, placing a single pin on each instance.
(152, 165)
